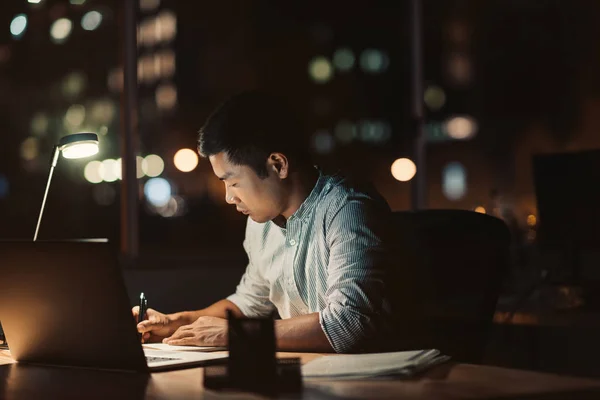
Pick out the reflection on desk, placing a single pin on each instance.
(448, 381)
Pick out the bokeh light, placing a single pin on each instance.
(18, 25)
(118, 168)
(167, 62)
(323, 142)
(74, 84)
(185, 160)
(149, 5)
(166, 96)
(454, 181)
(374, 131)
(531, 220)
(39, 124)
(374, 61)
(77, 2)
(91, 20)
(30, 148)
(110, 170)
(434, 97)
(75, 115)
(461, 128)
(343, 59)
(345, 131)
(320, 69)
(174, 207)
(139, 170)
(459, 68)
(60, 30)
(94, 172)
(166, 26)
(153, 165)
(102, 111)
(403, 169)
(480, 209)
(157, 191)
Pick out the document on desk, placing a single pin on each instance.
(168, 347)
(352, 366)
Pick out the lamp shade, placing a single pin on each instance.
(79, 145)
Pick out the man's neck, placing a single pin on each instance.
(302, 184)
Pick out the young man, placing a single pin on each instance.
(314, 242)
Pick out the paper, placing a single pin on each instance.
(376, 364)
(168, 347)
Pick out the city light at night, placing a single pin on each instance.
(403, 169)
(18, 25)
(185, 160)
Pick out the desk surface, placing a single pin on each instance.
(449, 381)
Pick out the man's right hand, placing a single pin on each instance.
(157, 326)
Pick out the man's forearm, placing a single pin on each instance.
(218, 309)
(303, 333)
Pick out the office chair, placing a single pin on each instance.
(446, 275)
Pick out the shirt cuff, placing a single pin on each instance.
(324, 326)
(239, 302)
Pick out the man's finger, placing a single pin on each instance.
(146, 326)
(135, 311)
(185, 328)
(190, 341)
(181, 334)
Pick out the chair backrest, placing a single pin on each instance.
(448, 270)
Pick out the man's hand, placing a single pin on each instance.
(157, 327)
(205, 331)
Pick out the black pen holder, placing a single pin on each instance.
(252, 365)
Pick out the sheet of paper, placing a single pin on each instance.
(168, 347)
(364, 365)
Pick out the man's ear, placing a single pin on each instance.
(278, 163)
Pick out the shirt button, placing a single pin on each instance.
(292, 242)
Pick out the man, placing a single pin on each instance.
(314, 243)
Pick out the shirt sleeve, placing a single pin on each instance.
(252, 293)
(354, 310)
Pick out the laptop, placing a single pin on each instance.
(65, 304)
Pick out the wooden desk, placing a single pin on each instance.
(450, 381)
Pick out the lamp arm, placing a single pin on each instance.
(55, 153)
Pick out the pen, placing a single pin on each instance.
(143, 308)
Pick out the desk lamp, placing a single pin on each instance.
(77, 145)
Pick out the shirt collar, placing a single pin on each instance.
(309, 204)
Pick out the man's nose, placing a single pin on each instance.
(230, 198)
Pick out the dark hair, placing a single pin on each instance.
(249, 127)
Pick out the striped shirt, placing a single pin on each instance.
(328, 259)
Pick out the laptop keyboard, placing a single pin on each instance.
(150, 359)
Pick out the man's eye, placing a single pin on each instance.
(233, 185)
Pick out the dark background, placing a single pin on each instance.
(524, 71)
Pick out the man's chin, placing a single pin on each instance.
(258, 219)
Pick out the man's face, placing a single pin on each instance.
(260, 198)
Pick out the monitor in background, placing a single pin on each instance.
(567, 187)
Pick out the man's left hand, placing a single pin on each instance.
(205, 331)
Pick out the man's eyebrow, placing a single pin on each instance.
(226, 176)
